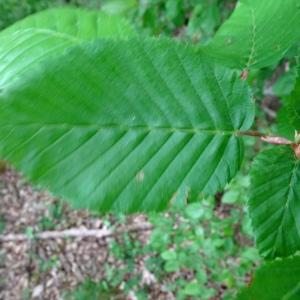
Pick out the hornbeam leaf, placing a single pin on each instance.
(50, 33)
(275, 202)
(125, 125)
(258, 33)
(275, 280)
(293, 106)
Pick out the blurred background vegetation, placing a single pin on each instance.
(187, 19)
(202, 250)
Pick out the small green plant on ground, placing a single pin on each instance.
(113, 121)
(55, 215)
(194, 251)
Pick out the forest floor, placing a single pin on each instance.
(48, 249)
(45, 268)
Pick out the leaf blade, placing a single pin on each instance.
(141, 141)
(275, 280)
(273, 204)
(253, 38)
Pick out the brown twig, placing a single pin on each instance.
(251, 133)
(76, 233)
(271, 139)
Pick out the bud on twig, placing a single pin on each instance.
(276, 140)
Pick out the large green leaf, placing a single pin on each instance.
(275, 202)
(278, 280)
(125, 125)
(258, 33)
(50, 33)
(293, 106)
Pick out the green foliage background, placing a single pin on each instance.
(192, 19)
(212, 236)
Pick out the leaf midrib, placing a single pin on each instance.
(127, 128)
(286, 206)
(252, 39)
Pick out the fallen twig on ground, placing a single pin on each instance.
(75, 233)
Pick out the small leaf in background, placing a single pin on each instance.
(171, 266)
(169, 255)
(201, 276)
(208, 293)
(245, 42)
(175, 12)
(199, 231)
(275, 280)
(285, 83)
(227, 277)
(195, 211)
(236, 190)
(230, 197)
(203, 21)
(193, 289)
(274, 204)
